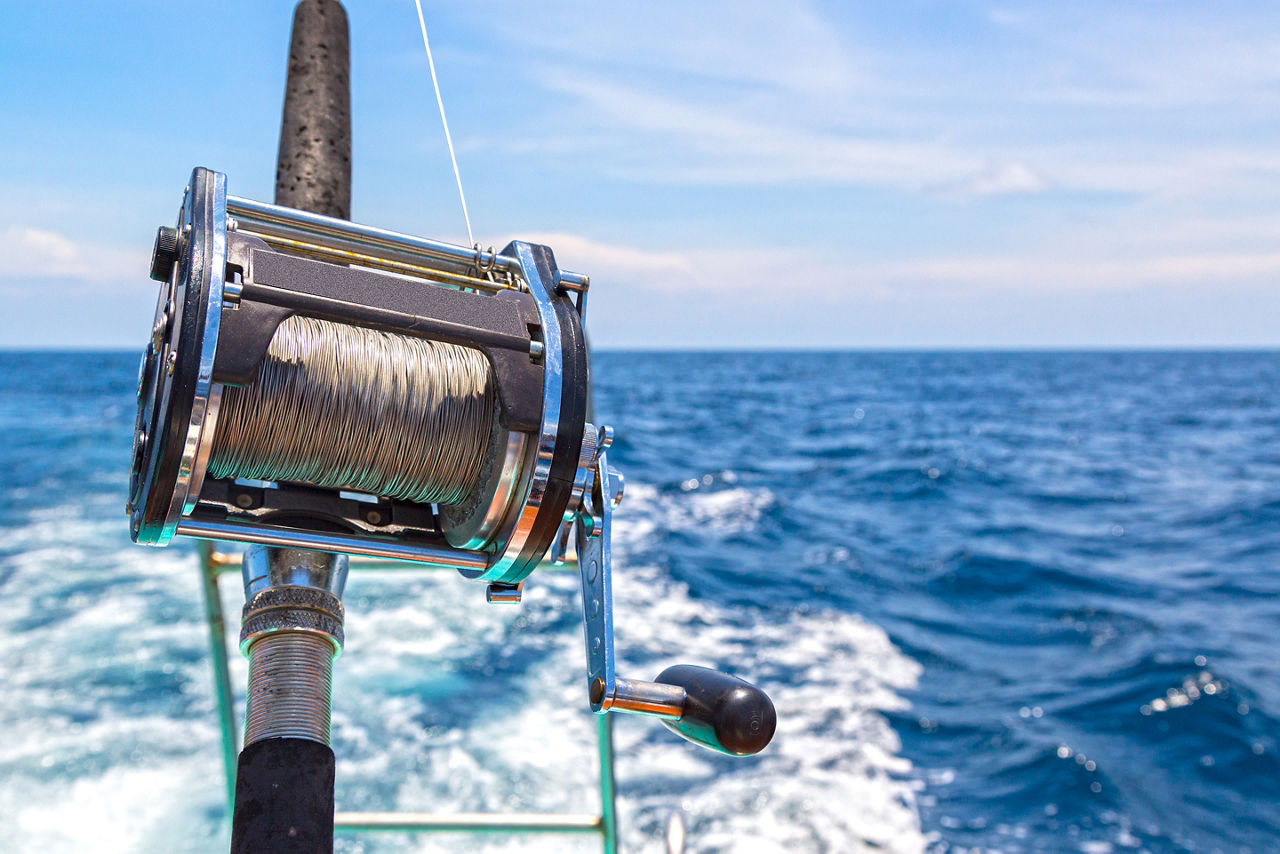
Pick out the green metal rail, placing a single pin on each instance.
(214, 563)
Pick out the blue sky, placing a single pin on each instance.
(731, 175)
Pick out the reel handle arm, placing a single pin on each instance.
(705, 706)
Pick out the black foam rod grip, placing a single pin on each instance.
(721, 711)
(284, 798)
(313, 168)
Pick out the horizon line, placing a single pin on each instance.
(799, 349)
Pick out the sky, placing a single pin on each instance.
(731, 175)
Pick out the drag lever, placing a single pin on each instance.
(705, 706)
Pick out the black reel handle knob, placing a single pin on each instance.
(721, 712)
(164, 253)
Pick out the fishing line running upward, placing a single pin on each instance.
(444, 121)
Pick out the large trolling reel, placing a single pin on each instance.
(312, 383)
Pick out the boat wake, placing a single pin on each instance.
(442, 703)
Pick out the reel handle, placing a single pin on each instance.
(705, 706)
(721, 711)
(710, 708)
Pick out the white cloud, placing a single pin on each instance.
(1000, 179)
(36, 253)
(705, 141)
(763, 275)
(757, 44)
(582, 254)
(684, 94)
(961, 277)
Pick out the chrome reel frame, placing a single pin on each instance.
(539, 472)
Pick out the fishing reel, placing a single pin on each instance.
(315, 384)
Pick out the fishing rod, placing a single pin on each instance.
(318, 388)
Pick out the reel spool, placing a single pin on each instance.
(318, 384)
(315, 384)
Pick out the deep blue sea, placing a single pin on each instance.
(1003, 602)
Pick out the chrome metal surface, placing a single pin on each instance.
(290, 684)
(558, 555)
(506, 484)
(497, 516)
(504, 594)
(341, 251)
(204, 222)
(605, 690)
(291, 631)
(594, 566)
(270, 220)
(647, 698)
(583, 477)
(617, 485)
(262, 568)
(366, 545)
(292, 608)
(521, 526)
(228, 562)
(205, 448)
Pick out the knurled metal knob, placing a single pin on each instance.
(164, 254)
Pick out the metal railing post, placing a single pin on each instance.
(220, 655)
(608, 791)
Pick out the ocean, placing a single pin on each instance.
(1002, 601)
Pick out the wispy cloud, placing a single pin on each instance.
(763, 275)
(999, 179)
(1070, 98)
(1047, 275)
(41, 254)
